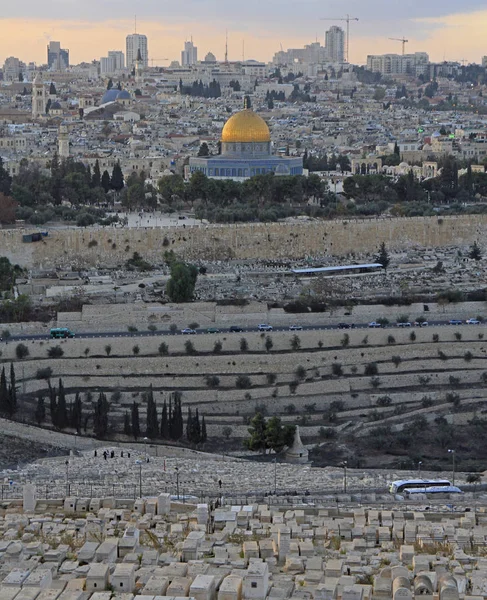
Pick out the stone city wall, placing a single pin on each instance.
(82, 248)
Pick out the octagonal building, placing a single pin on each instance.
(245, 151)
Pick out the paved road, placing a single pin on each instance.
(203, 331)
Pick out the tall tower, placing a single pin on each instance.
(335, 44)
(134, 43)
(139, 64)
(38, 97)
(63, 141)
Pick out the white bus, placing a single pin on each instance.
(400, 486)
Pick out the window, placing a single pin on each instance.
(253, 584)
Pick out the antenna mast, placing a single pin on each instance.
(135, 20)
(226, 46)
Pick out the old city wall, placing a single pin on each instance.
(81, 248)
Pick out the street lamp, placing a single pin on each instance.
(139, 462)
(344, 465)
(145, 448)
(67, 478)
(177, 480)
(419, 468)
(452, 452)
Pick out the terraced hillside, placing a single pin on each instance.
(387, 397)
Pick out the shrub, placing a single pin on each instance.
(412, 336)
(293, 386)
(320, 344)
(365, 341)
(152, 327)
(271, 378)
(391, 339)
(426, 401)
(483, 377)
(295, 342)
(300, 372)
(55, 352)
(337, 406)
(173, 328)
(424, 379)
(244, 345)
(163, 349)
(290, 409)
(374, 382)
(442, 355)
(227, 432)
(21, 351)
(212, 381)
(436, 337)
(268, 343)
(243, 382)
(108, 349)
(454, 381)
(194, 325)
(481, 336)
(132, 329)
(217, 347)
(458, 336)
(327, 433)
(384, 401)
(396, 360)
(6, 335)
(345, 341)
(383, 321)
(468, 356)
(453, 398)
(371, 369)
(86, 352)
(311, 408)
(336, 369)
(189, 347)
(45, 373)
(136, 350)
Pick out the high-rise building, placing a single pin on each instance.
(13, 69)
(335, 44)
(114, 62)
(57, 57)
(398, 64)
(189, 56)
(135, 42)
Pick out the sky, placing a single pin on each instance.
(446, 29)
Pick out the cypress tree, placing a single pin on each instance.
(135, 420)
(152, 429)
(164, 423)
(100, 417)
(12, 391)
(4, 393)
(105, 181)
(53, 404)
(126, 423)
(189, 425)
(196, 428)
(76, 413)
(62, 410)
(96, 177)
(170, 420)
(40, 412)
(116, 181)
(204, 435)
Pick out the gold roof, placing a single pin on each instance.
(246, 126)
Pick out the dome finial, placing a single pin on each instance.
(247, 103)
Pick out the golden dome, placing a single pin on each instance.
(246, 126)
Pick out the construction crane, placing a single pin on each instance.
(403, 40)
(153, 59)
(348, 18)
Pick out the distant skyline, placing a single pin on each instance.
(444, 29)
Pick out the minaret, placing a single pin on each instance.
(63, 142)
(38, 97)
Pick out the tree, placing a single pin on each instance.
(383, 257)
(257, 430)
(204, 150)
(243, 382)
(52, 89)
(268, 343)
(21, 351)
(295, 342)
(76, 413)
(116, 181)
(136, 350)
(55, 352)
(109, 84)
(40, 412)
(96, 177)
(244, 345)
(164, 422)
(227, 432)
(105, 181)
(62, 409)
(135, 421)
(100, 417)
(189, 347)
(4, 394)
(180, 287)
(152, 429)
(163, 349)
(475, 252)
(108, 349)
(127, 430)
(217, 347)
(204, 435)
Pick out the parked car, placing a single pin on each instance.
(265, 327)
(235, 328)
(374, 324)
(346, 325)
(455, 322)
(472, 322)
(421, 323)
(295, 328)
(188, 330)
(212, 330)
(404, 324)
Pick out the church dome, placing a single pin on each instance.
(246, 126)
(123, 95)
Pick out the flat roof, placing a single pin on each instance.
(339, 268)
